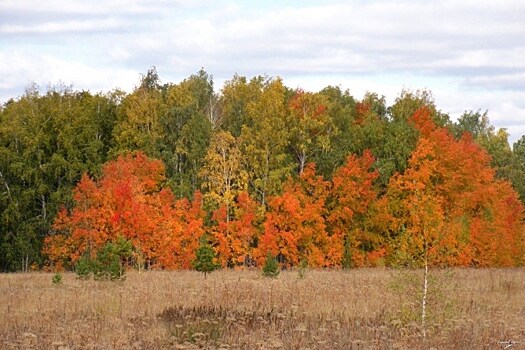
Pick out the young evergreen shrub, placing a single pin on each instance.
(109, 263)
(303, 265)
(205, 258)
(346, 262)
(57, 278)
(271, 267)
(84, 267)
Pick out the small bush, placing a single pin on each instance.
(110, 260)
(109, 263)
(205, 258)
(271, 267)
(84, 267)
(57, 278)
(303, 265)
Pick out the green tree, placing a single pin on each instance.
(310, 127)
(264, 141)
(408, 102)
(205, 258)
(271, 266)
(192, 115)
(518, 151)
(111, 260)
(46, 143)
(236, 95)
(340, 107)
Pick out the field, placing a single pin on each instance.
(356, 309)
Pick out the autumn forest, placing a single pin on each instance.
(257, 168)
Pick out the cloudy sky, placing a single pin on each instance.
(469, 53)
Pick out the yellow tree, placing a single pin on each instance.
(138, 126)
(222, 174)
(310, 127)
(264, 141)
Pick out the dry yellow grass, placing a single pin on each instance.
(242, 310)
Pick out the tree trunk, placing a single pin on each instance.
(424, 299)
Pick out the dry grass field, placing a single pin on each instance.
(357, 309)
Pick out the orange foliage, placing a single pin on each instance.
(451, 207)
(447, 208)
(234, 238)
(306, 105)
(295, 227)
(128, 202)
(352, 205)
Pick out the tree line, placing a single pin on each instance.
(256, 168)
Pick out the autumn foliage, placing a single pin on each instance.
(295, 227)
(234, 235)
(446, 209)
(448, 206)
(128, 201)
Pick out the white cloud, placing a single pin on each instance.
(19, 69)
(82, 7)
(469, 53)
(63, 27)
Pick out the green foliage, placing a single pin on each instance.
(518, 151)
(191, 116)
(303, 266)
(408, 286)
(205, 258)
(410, 101)
(109, 262)
(264, 142)
(57, 278)
(346, 263)
(271, 266)
(46, 143)
(84, 267)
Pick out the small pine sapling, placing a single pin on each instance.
(83, 267)
(271, 266)
(205, 258)
(57, 278)
(110, 260)
(303, 265)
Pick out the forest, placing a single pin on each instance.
(257, 168)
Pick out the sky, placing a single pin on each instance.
(470, 54)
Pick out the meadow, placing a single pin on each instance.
(355, 309)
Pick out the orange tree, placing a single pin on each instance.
(295, 226)
(354, 214)
(128, 201)
(234, 237)
(449, 209)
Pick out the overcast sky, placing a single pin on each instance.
(469, 53)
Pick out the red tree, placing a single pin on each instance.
(354, 213)
(128, 201)
(449, 201)
(234, 234)
(295, 227)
